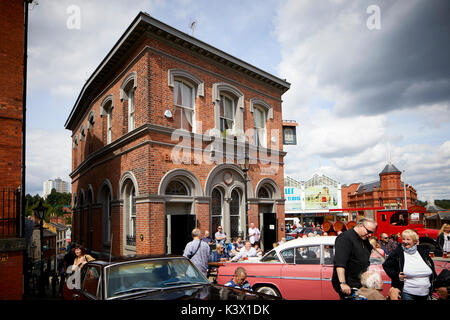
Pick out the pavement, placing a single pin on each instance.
(49, 294)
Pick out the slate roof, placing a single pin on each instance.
(442, 216)
(369, 186)
(432, 207)
(390, 168)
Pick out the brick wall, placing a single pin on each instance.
(11, 279)
(11, 88)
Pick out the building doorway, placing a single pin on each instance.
(268, 226)
(179, 225)
(269, 230)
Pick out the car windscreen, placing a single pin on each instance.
(271, 256)
(138, 276)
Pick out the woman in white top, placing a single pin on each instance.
(411, 268)
(245, 252)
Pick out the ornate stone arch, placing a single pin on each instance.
(222, 87)
(105, 103)
(263, 104)
(91, 120)
(82, 199)
(130, 78)
(90, 191)
(108, 184)
(185, 176)
(180, 73)
(125, 176)
(215, 177)
(271, 185)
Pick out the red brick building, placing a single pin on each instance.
(159, 133)
(12, 243)
(389, 192)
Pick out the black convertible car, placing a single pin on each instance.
(149, 278)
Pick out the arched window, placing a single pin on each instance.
(227, 114)
(216, 209)
(108, 125)
(106, 198)
(176, 188)
(82, 133)
(106, 110)
(264, 193)
(131, 214)
(184, 100)
(262, 111)
(260, 118)
(228, 110)
(91, 120)
(127, 89)
(235, 213)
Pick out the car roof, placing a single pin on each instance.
(116, 260)
(309, 241)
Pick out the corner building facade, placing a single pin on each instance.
(160, 132)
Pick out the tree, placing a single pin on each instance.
(421, 203)
(54, 202)
(443, 203)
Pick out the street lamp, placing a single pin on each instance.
(244, 167)
(404, 188)
(39, 212)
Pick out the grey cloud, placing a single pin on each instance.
(405, 64)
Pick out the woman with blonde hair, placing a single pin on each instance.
(410, 268)
(443, 238)
(376, 247)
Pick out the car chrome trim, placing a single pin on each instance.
(291, 278)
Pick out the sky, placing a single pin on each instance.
(370, 79)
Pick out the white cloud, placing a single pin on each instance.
(358, 95)
(362, 97)
(48, 155)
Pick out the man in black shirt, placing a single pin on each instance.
(352, 253)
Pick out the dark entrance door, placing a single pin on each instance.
(269, 233)
(181, 230)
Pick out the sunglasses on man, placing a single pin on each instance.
(369, 231)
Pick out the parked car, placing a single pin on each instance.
(295, 233)
(299, 269)
(148, 278)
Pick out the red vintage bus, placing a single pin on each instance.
(395, 221)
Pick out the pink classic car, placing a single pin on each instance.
(299, 269)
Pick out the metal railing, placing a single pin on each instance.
(9, 213)
(131, 240)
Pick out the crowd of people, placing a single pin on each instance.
(220, 248)
(409, 265)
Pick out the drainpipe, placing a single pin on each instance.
(404, 188)
(24, 114)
